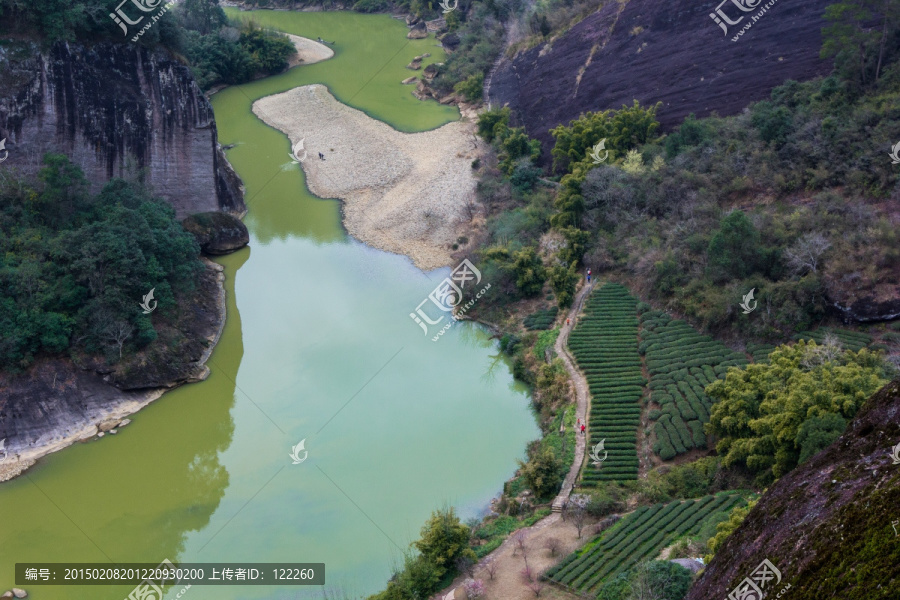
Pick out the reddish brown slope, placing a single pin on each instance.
(828, 524)
(681, 58)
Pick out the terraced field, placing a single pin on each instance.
(605, 345)
(639, 536)
(681, 363)
(852, 340)
(540, 320)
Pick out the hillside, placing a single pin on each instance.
(660, 51)
(827, 525)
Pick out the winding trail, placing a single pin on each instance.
(507, 581)
(581, 397)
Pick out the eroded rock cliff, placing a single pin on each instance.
(667, 51)
(117, 110)
(831, 526)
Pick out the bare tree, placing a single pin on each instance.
(491, 567)
(519, 539)
(578, 510)
(554, 545)
(536, 586)
(806, 253)
(828, 351)
(466, 565)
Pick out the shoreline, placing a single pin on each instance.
(379, 174)
(128, 404)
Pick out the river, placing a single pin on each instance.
(318, 346)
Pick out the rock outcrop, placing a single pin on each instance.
(217, 233)
(117, 110)
(667, 51)
(418, 31)
(830, 526)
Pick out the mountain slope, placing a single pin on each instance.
(826, 525)
(669, 51)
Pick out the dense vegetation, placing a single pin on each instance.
(606, 347)
(74, 267)
(771, 417)
(218, 51)
(637, 537)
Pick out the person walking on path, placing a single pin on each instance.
(568, 321)
(582, 429)
(589, 275)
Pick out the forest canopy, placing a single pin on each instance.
(74, 267)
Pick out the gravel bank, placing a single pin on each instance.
(403, 192)
(308, 51)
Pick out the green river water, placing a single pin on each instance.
(319, 346)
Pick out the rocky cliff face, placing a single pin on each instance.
(117, 110)
(831, 526)
(667, 51)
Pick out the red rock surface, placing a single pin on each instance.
(680, 57)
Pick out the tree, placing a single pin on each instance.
(857, 39)
(577, 506)
(529, 271)
(563, 281)
(471, 88)
(818, 433)
(659, 580)
(492, 123)
(805, 254)
(543, 472)
(759, 410)
(734, 251)
(443, 540)
(205, 16)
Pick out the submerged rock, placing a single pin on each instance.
(217, 232)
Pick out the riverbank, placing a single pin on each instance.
(308, 51)
(62, 403)
(406, 193)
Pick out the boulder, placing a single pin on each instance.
(409, 80)
(422, 56)
(430, 72)
(412, 20)
(217, 232)
(415, 65)
(19, 593)
(437, 25)
(124, 422)
(448, 99)
(450, 41)
(7, 594)
(100, 435)
(418, 31)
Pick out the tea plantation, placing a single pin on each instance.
(639, 536)
(605, 344)
(681, 362)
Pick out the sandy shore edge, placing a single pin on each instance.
(406, 193)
